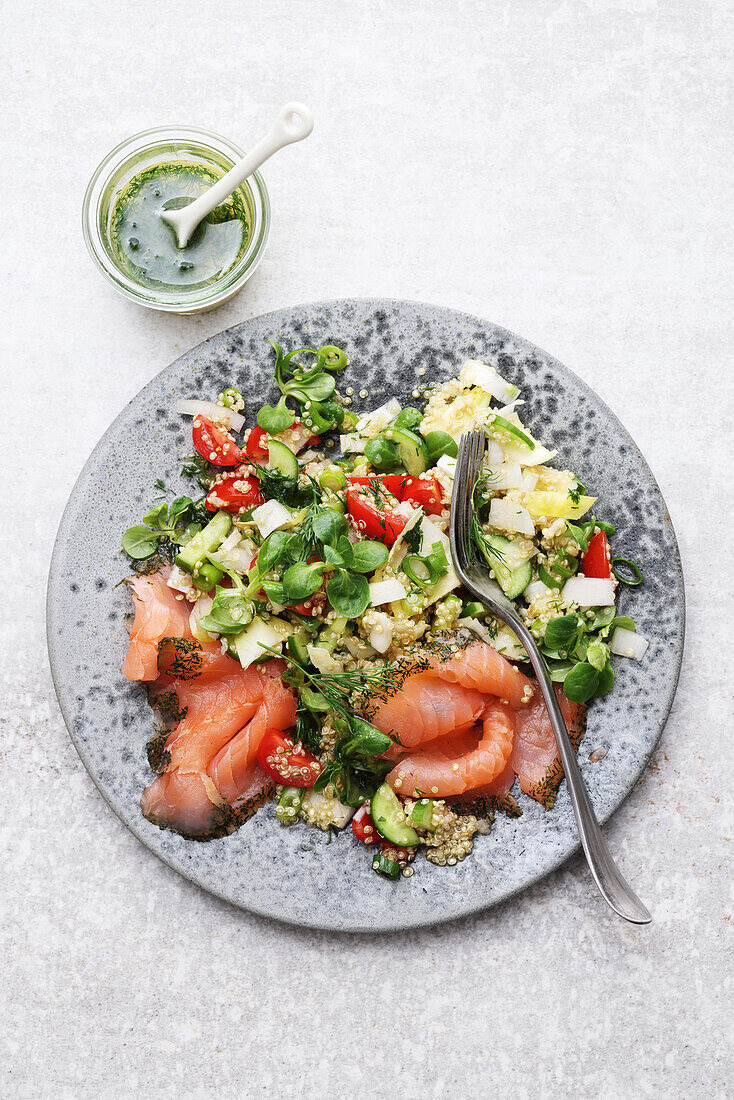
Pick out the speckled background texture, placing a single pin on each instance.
(562, 168)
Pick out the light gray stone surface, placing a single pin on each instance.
(562, 168)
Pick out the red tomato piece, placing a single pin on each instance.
(398, 854)
(364, 827)
(596, 561)
(374, 514)
(424, 492)
(287, 762)
(234, 492)
(257, 444)
(394, 483)
(214, 444)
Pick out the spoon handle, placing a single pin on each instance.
(294, 122)
(616, 891)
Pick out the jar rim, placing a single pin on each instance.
(98, 189)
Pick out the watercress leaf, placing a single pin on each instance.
(368, 555)
(366, 740)
(332, 556)
(275, 592)
(316, 387)
(348, 594)
(440, 443)
(273, 550)
(408, 418)
(382, 453)
(180, 511)
(314, 700)
(581, 682)
(581, 533)
(346, 549)
(301, 580)
(328, 525)
(334, 411)
(230, 613)
(606, 679)
(623, 621)
(275, 419)
(140, 542)
(156, 515)
(597, 654)
(560, 633)
(559, 670)
(603, 618)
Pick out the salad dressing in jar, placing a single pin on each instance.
(138, 253)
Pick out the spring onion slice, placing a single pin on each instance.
(505, 426)
(636, 578)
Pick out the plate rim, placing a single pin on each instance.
(168, 859)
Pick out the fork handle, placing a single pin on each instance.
(616, 891)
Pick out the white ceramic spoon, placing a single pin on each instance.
(294, 123)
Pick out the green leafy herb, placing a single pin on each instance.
(440, 443)
(368, 555)
(301, 580)
(275, 419)
(163, 525)
(140, 542)
(382, 454)
(348, 594)
(581, 682)
(230, 612)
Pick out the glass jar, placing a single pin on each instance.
(182, 144)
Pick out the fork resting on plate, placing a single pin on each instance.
(613, 887)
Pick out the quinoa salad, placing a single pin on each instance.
(305, 640)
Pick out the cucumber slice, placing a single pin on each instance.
(513, 581)
(206, 541)
(282, 459)
(389, 818)
(422, 814)
(412, 450)
(298, 649)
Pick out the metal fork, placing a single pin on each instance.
(615, 890)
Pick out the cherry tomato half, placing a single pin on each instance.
(374, 514)
(596, 561)
(234, 492)
(364, 827)
(257, 444)
(214, 444)
(286, 762)
(424, 491)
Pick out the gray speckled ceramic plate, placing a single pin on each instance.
(296, 874)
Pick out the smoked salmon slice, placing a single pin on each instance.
(158, 614)
(222, 721)
(427, 707)
(437, 698)
(535, 756)
(459, 763)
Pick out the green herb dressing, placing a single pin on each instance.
(145, 246)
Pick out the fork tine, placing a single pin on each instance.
(468, 463)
